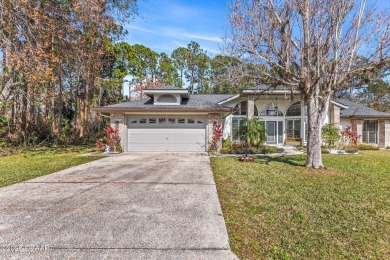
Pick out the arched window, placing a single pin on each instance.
(271, 110)
(166, 98)
(241, 108)
(294, 109)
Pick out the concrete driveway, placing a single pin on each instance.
(129, 206)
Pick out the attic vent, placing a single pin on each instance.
(166, 98)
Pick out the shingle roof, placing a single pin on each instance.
(166, 87)
(215, 98)
(358, 110)
(193, 102)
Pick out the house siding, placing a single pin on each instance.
(119, 121)
(217, 119)
(384, 133)
(335, 115)
(357, 126)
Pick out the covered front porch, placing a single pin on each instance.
(284, 117)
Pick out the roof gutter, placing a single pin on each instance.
(270, 92)
(228, 99)
(126, 109)
(367, 116)
(338, 104)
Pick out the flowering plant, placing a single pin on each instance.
(99, 146)
(349, 136)
(113, 139)
(217, 134)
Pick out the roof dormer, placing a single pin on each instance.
(167, 95)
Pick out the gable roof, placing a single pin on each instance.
(358, 110)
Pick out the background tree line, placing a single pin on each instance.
(189, 66)
(56, 65)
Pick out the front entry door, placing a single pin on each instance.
(271, 132)
(280, 132)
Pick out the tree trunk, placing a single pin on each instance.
(60, 107)
(53, 111)
(314, 157)
(24, 109)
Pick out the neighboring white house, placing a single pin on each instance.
(171, 119)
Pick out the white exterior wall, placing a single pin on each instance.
(227, 124)
(344, 122)
(327, 119)
(227, 127)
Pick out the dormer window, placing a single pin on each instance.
(167, 95)
(166, 98)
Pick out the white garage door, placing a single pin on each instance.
(166, 133)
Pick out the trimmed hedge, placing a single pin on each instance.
(367, 147)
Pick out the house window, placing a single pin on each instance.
(142, 121)
(370, 132)
(294, 109)
(293, 129)
(181, 120)
(152, 120)
(239, 116)
(271, 110)
(190, 121)
(241, 108)
(236, 123)
(162, 120)
(171, 120)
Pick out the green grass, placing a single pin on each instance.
(277, 209)
(25, 166)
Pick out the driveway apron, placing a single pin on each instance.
(138, 206)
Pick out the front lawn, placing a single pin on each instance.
(276, 208)
(24, 166)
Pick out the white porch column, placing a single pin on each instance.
(251, 106)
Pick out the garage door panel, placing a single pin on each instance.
(142, 146)
(184, 138)
(172, 137)
(142, 138)
(172, 143)
(193, 131)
